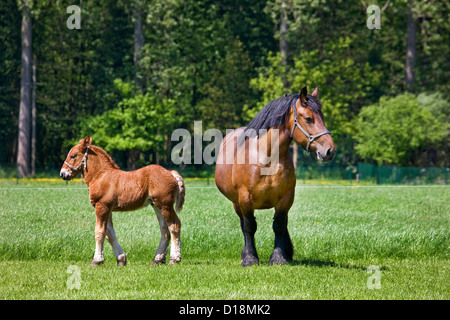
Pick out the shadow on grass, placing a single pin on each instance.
(332, 264)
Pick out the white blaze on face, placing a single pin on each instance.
(65, 173)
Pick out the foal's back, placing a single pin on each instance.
(131, 190)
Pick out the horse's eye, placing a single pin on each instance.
(73, 157)
(309, 120)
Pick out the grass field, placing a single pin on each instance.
(337, 232)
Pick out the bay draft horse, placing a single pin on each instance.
(111, 189)
(298, 117)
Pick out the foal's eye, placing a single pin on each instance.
(73, 157)
(309, 120)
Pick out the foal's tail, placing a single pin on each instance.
(181, 191)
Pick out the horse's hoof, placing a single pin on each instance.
(96, 263)
(277, 261)
(277, 258)
(248, 261)
(122, 260)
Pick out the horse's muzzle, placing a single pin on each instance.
(65, 174)
(327, 156)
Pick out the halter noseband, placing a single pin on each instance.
(310, 137)
(82, 163)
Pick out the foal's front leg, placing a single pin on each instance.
(102, 215)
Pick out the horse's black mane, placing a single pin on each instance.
(275, 112)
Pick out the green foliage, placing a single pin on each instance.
(136, 123)
(344, 82)
(391, 130)
(227, 91)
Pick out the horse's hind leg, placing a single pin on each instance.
(249, 256)
(160, 256)
(121, 257)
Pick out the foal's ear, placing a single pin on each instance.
(86, 141)
(304, 95)
(315, 93)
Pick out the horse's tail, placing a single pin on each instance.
(181, 191)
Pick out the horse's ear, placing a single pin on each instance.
(315, 93)
(304, 95)
(86, 141)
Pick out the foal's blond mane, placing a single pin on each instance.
(104, 155)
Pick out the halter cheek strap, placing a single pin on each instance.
(83, 162)
(310, 137)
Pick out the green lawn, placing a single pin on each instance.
(337, 231)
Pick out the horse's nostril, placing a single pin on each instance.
(328, 152)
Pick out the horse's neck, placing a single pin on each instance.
(282, 141)
(95, 164)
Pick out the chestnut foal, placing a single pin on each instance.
(111, 189)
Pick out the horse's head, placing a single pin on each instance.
(76, 159)
(308, 128)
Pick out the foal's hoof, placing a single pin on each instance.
(96, 263)
(249, 261)
(159, 259)
(122, 260)
(174, 260)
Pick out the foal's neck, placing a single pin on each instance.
(97, 162)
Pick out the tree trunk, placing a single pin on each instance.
(283, 31)
(138, 41)
(23, 150)
(33, 121)
(410, 46)
(284, 48)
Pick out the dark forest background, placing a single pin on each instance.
(137, 70)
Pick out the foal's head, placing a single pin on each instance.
(76, 159)
(310, 119)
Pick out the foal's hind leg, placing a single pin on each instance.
(160, 256)
(174, 226)
(121, 257)
(283, 249)
(249, 256)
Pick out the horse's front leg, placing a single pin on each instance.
(102, 215)
(283, 248)
(249, 256)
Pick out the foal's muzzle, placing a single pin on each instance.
(65, 174)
